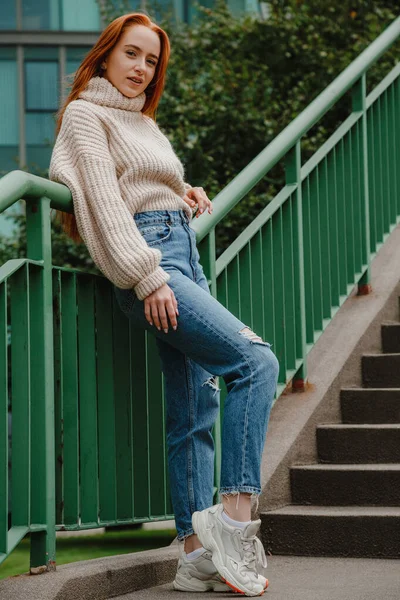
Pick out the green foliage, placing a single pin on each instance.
(234, 83)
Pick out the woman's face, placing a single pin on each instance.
(134, 57)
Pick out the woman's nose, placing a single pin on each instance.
(140, 65)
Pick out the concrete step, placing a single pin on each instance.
(390, 334)
(346, 485)
(370, 405)
(350, 444)
(332, 531)
(381, 370)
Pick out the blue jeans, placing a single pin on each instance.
(208, 342)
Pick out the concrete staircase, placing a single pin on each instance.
(348, 504)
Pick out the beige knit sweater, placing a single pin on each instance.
(116, 162)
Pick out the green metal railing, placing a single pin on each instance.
(86, 389)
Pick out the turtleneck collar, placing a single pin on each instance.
(101, 91)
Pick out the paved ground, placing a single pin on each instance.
(300, 578)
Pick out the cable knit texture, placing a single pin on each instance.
(117, 162)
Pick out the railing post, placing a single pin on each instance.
(358, 94)
(43, 534)
(208, 257)
(293, 176)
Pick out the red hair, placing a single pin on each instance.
(90, 67)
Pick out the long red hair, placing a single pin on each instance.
(90, 67)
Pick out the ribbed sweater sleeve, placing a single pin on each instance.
(81, 160)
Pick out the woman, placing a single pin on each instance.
(133, 209)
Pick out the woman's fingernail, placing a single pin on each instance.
(174, 327)
(159, 328)
(150, 323)
(165, 330)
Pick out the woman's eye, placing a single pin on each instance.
(131, 53)
(152, 62)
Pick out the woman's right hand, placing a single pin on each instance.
(158, 305)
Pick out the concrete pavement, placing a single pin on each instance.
(302, 578)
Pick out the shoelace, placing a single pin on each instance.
(254, 553)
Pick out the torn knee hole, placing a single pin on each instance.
(212, 382)
(253, 337)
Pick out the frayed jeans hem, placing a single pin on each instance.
(183, 536)
(246, 489)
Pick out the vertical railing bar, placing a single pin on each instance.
(21, 399)
(385, 174)
(316, 253)
(148, 426)
(359, 104)
(324, 239)
(350, 209)
(371, 180)
(392, 130)
(4, 508)
(333, 226)
(70, 393)
(43, 543)
(58, 400)
(293, 175)
(380, 195)
(396, 131)
(307, 248)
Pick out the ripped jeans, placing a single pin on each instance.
(208, 342)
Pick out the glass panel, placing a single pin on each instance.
(41, 80)
(8, 17)
(40, 14)
(80, 16)
(74, 59)
(41, 105)
(41, 52)
(238, 7)
(192, 13)
(158, 9)
(38, 159)
(9, 159)
(40, 128)
(9, 129)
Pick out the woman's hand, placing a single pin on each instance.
(197, 195)
(158, 305)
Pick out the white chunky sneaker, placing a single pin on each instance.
(235, 551)
(198, 575)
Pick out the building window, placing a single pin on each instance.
(9, 129)
(40, 15)
(41, 104)
(80, 16)
(8, 14)
(60, 15)
(74, 58)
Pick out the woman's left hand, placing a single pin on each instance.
(197, 195)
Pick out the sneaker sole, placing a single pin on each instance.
(232, 587)
(204, 534)
(183, 585)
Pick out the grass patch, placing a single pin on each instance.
(75, 549)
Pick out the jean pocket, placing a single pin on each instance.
(156, 233)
